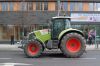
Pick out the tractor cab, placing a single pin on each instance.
(58, 25)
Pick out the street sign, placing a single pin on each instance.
(13, 64)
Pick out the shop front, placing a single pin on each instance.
(87, 22)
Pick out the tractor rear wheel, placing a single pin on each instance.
(73, 45)
(33, 49)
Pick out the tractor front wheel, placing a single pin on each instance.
(73, 45)
(33, 49)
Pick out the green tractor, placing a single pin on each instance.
(60, 35)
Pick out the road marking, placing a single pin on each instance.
(13, 64)
(83, 58)
(5, 58)
(88, 58)
(77, 58)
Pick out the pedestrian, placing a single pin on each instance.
(91, 37)
(90, 40)
(93, 34)
(12, 39)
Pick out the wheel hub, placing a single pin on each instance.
(73, 45)
(33, 48)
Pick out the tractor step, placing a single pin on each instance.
(52, 44)
(55, 43)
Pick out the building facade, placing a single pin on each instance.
(17, 17)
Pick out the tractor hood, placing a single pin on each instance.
(42, 32)
(41, 35)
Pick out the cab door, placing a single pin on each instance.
(58, 25)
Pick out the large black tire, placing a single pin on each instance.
(73, 45)
(33, 49)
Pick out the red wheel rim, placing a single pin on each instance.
(73, 45)
(33, 48)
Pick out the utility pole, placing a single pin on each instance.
(59, 7)
(22, 5)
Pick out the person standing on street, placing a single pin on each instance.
(12, 39)
(91, 37)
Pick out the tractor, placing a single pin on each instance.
(59, 35)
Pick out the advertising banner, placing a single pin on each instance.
(85, 17)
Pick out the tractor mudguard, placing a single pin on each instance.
(38, 39)
(69, 31)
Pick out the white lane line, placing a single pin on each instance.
(83, 58)
(88, 58)
(77, 58)
(5, 58)
(14, 64)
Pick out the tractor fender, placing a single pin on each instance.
(69, 31)
(42, 43)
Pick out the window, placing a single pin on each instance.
(76, 7)
(11, 6)
(4, 6)
(45, 5)
(80, 7)
(23, 6)
(98, 6)
(64, 6)
(72, 6)
(30, 6)
(39, 6)
(90, 6)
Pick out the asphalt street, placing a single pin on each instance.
(48, 58)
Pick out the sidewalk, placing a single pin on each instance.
(92, 47)
(10, 47)
(15, 47)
